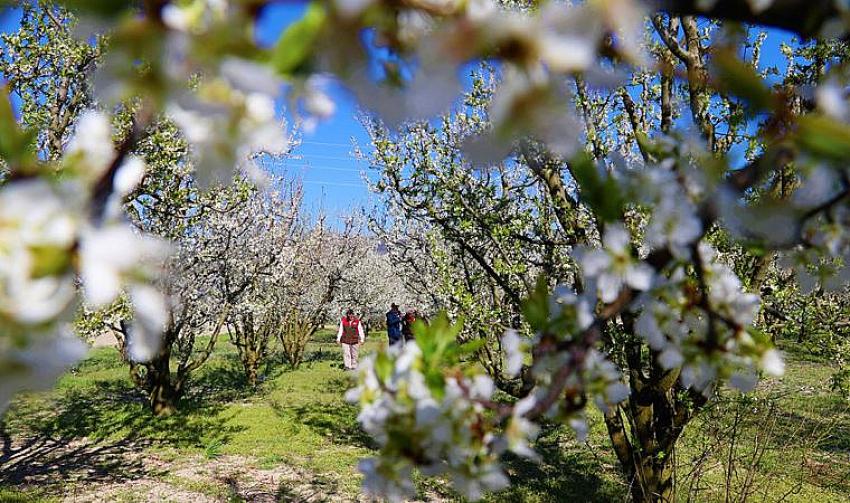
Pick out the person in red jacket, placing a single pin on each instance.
(407, 324)
(351, 336)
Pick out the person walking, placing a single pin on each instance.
(394, 325)
(350, 336)
(407, 324)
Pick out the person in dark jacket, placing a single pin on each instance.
(394, 325)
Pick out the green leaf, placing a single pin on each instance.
(600, 191)
(740, 79)
(824, 137)
(436, 382)
(536, 306)
(48, 261)
(471, 346)
(16, 145)
(761, 338)
(294, 45)
(383, 366)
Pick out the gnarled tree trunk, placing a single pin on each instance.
(656, 412)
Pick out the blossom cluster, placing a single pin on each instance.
(706, 329)
(197, 62)
(49, 240)
(674, 223)
(567, 367)
(428, 411)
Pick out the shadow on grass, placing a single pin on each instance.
(44, 460)
(334, 421)
(828, 432)
(220, 382)
(325, 336)
(324, 354)
(109, 408)
(563, 474)
(318, 488)
(276, 365)
(98, 433)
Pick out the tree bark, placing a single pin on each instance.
(657, 482)
(251, 362)
(647, 467)
(163, 391)
(163, 398)
(656, 413)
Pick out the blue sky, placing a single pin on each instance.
(332, 178)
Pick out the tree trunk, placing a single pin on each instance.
(648, 468)
(654, 481)
(656, 413)
(163, 391)
(251, 363)
(163, 398)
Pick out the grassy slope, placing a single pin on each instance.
(298, 418)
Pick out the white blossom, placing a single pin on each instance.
(91, 145)
(394, 485)
(772, 363)
(36, 234)
(819, 185)
(579, 426)
(129, 176)
(616, 392)
(316, 101)
(250, 77)
(603, 380)
(582, 306)
(568, 38)
(613, 266)
(520, 430)
(758, 6)
(352, 8)
(670, 358)
(175, 17)
(38, 364)
(727, 296)
(487, 477)
(533, 105)
(831, 99)
(224, 138)
(743, 381)
(151, 315)
(114, 255)
(511, 346)
(700, 376)
(674, 223)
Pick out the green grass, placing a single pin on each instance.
(11, 495)
(298, 418)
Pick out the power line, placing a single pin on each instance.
(311, 166)
(326, 143)
(337, 184)
(338, 158)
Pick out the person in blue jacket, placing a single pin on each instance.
(394, 324)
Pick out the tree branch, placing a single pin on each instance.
(804, 17)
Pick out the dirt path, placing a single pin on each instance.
(105, 339)
(201, 480)
(88, 472)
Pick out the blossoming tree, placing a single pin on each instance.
(645, 263)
